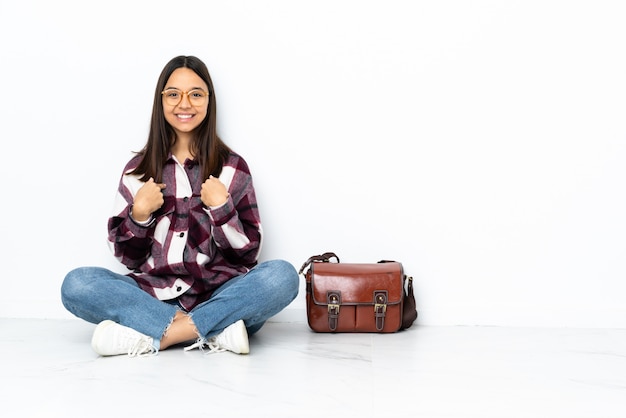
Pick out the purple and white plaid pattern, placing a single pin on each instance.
(188, 250)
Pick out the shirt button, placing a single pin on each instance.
(185, 199)
(182, 234)
(178, 288)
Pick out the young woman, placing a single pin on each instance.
(187, 226)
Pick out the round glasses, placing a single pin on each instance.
(173, 97)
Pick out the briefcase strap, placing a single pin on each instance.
(325, 258)
(380, 308)
(333, 300)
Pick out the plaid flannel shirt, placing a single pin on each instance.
(188, 249)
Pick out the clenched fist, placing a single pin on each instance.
(213, 192)
(148, 199)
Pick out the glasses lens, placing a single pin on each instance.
(172, 97)
(197, 97)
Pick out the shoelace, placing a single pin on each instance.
(198, 344)
(213, 347)
(142, 348)
(211, 343)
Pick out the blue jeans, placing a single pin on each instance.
(95, 294)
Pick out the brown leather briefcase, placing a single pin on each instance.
(357, 297)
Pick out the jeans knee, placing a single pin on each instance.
(71, 284)
(285, 277)
(76, 283)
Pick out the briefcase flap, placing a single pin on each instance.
(357, 282)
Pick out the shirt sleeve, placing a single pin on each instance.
(236, 225)
(129, 241)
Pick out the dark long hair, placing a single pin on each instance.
(207, 147)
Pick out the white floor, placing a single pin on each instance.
(49, 370)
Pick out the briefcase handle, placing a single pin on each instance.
(325, 258)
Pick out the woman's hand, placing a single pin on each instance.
(148, 199)
(213, 192)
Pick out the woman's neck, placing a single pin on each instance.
(182, 149)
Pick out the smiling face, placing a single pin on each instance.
(187, 115)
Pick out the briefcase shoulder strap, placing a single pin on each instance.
(325, 258)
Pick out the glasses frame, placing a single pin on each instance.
(183, 93)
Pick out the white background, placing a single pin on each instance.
(480, 143)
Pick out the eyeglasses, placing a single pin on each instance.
(196, 97)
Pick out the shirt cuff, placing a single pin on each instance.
(147, 222)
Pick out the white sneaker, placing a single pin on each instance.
(234, 338)
(112, 339)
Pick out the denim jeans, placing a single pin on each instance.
(95, 294)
